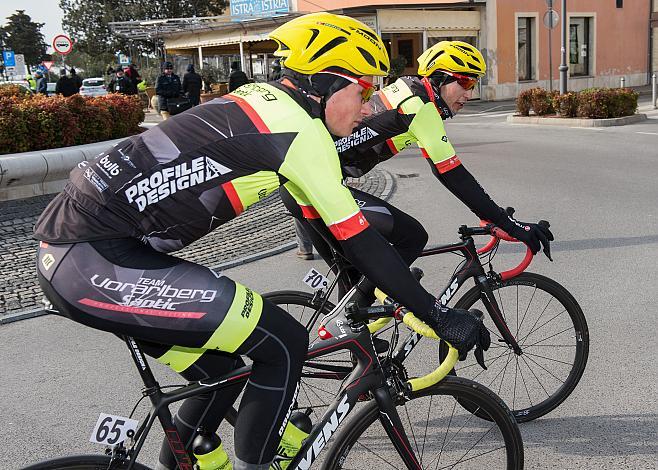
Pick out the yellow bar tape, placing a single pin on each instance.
(423, 329)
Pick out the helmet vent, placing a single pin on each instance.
(368, 56)
(329, 46)
(458, 60)
(474, 67)
(383, 67)
(314, 34)
(372, 36)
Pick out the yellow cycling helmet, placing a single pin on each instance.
(318, 41)
(452, 56)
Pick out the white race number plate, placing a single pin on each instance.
(111, 430)
(315, 280)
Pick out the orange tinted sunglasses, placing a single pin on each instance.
(368, 89)
(466, 82)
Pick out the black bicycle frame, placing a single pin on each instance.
(471, 267)
(367, 376)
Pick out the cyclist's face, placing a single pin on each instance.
(455, 96)
(345, 109)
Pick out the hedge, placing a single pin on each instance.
(594, 103)
(38, 122)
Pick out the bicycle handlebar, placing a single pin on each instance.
(498, 234)
(423, 329)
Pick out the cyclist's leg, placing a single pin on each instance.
(205, 410)
(165, 300)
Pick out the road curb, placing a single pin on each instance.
(576, 122)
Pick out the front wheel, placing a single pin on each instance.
(551, 330)
(83, 462)
(441, 433)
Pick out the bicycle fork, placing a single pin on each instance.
(495, 313)
(390, 419)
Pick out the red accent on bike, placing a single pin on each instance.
(499, 234)
(251, 113)
(233, 197)
(323, 333)
(309, 212)
(141, 311)
(447, 165)
(413, 457)
(349, 227)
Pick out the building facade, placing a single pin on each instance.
(606, 39)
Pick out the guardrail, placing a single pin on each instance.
(41, 172)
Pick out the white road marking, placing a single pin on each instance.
(647, 133)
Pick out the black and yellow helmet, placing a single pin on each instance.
(318, 41)
(452, 56)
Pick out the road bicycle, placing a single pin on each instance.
(436, 434)
(540, 339)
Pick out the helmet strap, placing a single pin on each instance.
(433, 87)
(320, 85)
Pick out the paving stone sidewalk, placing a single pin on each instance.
(263, 227)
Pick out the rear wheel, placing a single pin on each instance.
(551, 329)
(442, 434)
(83, 462)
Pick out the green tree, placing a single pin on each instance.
(23, 36)
(88, 20)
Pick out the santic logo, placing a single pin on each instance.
(167, 181)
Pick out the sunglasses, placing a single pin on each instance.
(368, 89)
(466, 82)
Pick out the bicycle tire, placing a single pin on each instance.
(544, 367)
(82, 462)
(347, 441)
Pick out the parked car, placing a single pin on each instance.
(93, 87)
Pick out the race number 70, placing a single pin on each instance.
(315, 280)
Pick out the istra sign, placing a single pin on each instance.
(242, 9)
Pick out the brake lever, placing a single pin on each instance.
(479, 356)
(547, 248)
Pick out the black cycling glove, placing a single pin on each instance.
(535, 236)
(463, 329)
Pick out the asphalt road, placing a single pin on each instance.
(596, 186)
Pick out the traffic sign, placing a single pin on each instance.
(551, 19)
(9, 58)
(62, 44)
(20, 63)
(124, 59)
(47, 64)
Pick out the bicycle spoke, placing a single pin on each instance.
(527, 309)
(550, 359)
(517, 311)
(535, 375)
(549, 337)
(427, 422)
(413, 434)
(525, 385)
(545, 369)
(375, 454)
(540, 315)
(543, 325)
(471, 458)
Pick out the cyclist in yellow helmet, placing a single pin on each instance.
(411, 110)
(104, 258)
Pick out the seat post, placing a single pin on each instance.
(142, 366)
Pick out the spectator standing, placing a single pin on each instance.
(304, 243)
(65, 86)
(42, 83)
(132, 73)
(167, 86)
(33, 83)
(237, 77)
(276, 71)
(76, 79)
(120, 83)
(192, 85)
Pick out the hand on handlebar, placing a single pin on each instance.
(463, 329)
(535, 236)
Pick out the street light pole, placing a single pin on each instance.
(563, 64)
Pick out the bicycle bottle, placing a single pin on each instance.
(209, 452)
(298, 428)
